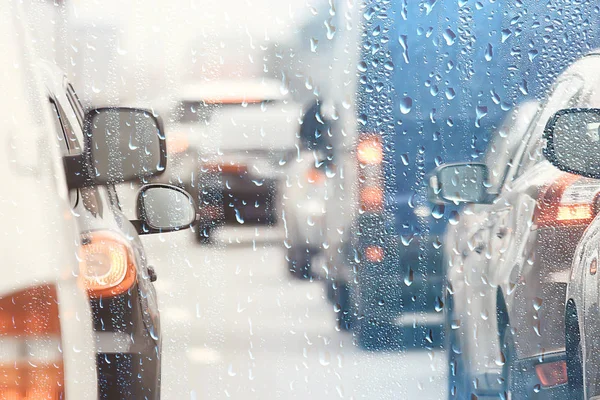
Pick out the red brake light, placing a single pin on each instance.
(107, 265)
(570, 200)
(552, 374)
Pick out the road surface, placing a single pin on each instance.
(235, 325)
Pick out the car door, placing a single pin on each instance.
(512, 241)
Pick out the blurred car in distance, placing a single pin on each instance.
(101, 148)
(502, 150)
(231, 141)
(520, 259)
(573, 146)
(305, 193)
(46, 338)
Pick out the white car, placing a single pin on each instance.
(229, 143)
(46, 338)
(502, 148)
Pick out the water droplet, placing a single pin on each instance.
(438, 211)
(449, 37)
(454, 218)
(238, 216)
(409, 278)
(406, 105)
(314, 43)
(489, 52)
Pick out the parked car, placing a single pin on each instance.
(520, 259)
(46, 338)
(305, 192)
(230, 141)
(573, 146)
(103, 147)
(501, 153)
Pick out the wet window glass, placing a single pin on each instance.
(293, 199)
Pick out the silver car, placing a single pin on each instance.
(517, 264)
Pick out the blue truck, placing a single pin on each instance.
(427, 83)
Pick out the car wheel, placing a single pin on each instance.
(574, 352)
(299, 263)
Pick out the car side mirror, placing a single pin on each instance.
(573, 141)
(460, 183)
(121, 144)
(164, 208)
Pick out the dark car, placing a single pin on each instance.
(573, 146)
(519, 260)
(114, 266)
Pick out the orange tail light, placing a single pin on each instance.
(570, 200)
(371, 198)
(315, 177)
(107, 265)
(370, 150)
(30, 332)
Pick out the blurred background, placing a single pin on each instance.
(253, 309)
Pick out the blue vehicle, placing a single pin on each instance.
(431, 81)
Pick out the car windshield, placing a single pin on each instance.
(298, 199)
